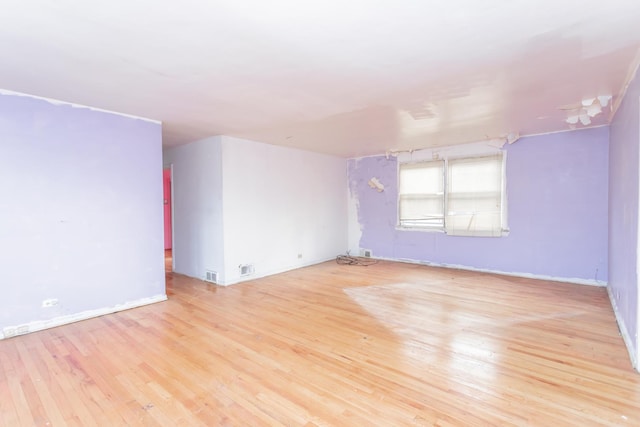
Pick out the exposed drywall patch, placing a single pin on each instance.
(73, 214)
(500, 141)
(587, 109)
(71, 104)
(513, 137)
(354, 227)
(376, 184)
(539, 170)
(355, 219)
(40, 325)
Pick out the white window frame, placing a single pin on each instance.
(429, 195)
(442, 229)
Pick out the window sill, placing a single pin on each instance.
(420, 229)
(504, 233)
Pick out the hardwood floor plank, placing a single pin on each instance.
(388, 344)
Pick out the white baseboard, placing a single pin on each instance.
(259, 275)
(590, 282)
(578, 281)
(624, 332)
(39, 325)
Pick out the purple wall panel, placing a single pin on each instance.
(80, 212)
(557, 201)
(623, 209)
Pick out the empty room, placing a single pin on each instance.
(345, 213)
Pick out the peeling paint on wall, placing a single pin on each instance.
(354, 222)
(551, 181)
(376, 184)
(72, 105)
(84, 190)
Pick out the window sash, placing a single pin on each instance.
(421, 195)
(463, 197)
(474, 196)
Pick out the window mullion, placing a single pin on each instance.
(445, 191)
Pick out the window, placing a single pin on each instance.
(463, 197)
(421, 200)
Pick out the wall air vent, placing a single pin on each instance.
(246, 269)
(211, 276)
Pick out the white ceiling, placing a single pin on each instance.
(345, 77)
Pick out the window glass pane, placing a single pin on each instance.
(421, 211)
(474, 196)
(474, 199)
(475, 175)
(420, 178)
(421, 199)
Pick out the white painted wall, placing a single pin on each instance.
(278, 203)
(197, 207)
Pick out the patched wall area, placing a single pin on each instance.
(556, 199)
(81, 213)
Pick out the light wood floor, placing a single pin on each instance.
(385, 345)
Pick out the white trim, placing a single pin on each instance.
(623, 332)
(633, 351)
(74, 105)
(421, 229)
(564, 130)
(449, 152)
(173, 237)
(261, 275)
(634, 357)
(574, 280)
(39, 325)
(577, 281)
(443, 165)
(480, 152)
(276, 271)
(377, 155)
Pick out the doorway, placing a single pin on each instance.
(168, 229)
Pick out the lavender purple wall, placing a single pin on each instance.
(557, 208)
(80, 212)
(623, 211)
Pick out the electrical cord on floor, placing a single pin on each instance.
(352, 260)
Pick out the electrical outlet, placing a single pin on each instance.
(49, 302)
(9, 332)
(299, 256)
(24, 329)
